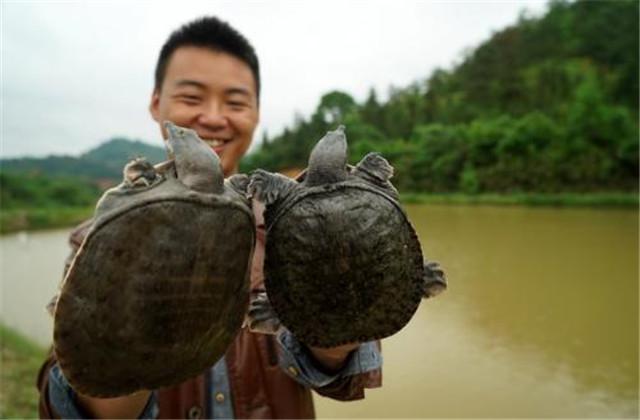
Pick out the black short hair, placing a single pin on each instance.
(213, 33)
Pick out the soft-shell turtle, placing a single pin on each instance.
(343, 262)
(160, 285)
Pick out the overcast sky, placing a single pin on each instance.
(77, 73)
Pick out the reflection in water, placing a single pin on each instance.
(540, 319)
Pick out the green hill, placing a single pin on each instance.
(62, 190)
(548, 104)
(115, 153)
(104, 162)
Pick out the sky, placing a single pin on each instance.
(76, 73)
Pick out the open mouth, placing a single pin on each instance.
(216, 144)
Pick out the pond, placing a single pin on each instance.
(540, 319)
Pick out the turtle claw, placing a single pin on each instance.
(377, 166)
(141, 182)
(257, 185)
(267, 187)
(435, 281)
(139, 172)
(239, 183)
(261, 318)
(51, 306)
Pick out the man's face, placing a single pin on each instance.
(214, 94)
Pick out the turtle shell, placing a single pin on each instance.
(157, 291)
(343, 264)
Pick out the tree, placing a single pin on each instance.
(334, 106)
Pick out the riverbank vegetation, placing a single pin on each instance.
(33, 201)
(606, 199)
(21, 360)
(15, 220)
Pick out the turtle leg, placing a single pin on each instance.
(239, 183)
(139, 173)
(435, 281)
(268, 187)
(376, 169)
(51, 306)
(261, 318)
(377, 166)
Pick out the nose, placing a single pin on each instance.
(212, 116)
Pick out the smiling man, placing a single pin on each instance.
(212, 92)
(207, 78)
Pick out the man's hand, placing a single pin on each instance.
(125, 407)
(333, 359)
(261, 318)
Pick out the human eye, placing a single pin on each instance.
(237, 104)
(188, 99)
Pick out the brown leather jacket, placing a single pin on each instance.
(259, 386)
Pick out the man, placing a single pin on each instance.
(207, 79)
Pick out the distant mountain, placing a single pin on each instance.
(104, 162)
(118, 151)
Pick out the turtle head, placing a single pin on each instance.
(328, 159)
(197, 165)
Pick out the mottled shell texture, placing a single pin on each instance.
(343, 263)
(158, 289)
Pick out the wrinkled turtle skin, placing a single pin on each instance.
(343, 263)
(159, 287)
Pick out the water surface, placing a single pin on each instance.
(541, 318)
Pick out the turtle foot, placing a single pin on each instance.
(435, 281)
(139, 173)
(265, 186)
(239, 183)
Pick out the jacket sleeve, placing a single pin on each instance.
(58, 399)
(363, 369)
(45, 409)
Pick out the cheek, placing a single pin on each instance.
(235, 152)
(245, 122)
(178, 114)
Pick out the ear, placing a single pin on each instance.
(154, 105)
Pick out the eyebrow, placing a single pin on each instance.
(230, 91)
(238, 91)
(187, 82)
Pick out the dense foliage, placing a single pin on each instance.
(549, 104)
(37, 191)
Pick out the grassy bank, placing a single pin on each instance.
(605, 199)
(21, 360)
(13, 220)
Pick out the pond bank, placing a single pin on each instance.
(27, 219)
(15, 220)
(21, 360)
(603, 199)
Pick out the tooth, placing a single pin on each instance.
(216, 142)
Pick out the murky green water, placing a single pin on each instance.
(540, 320)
